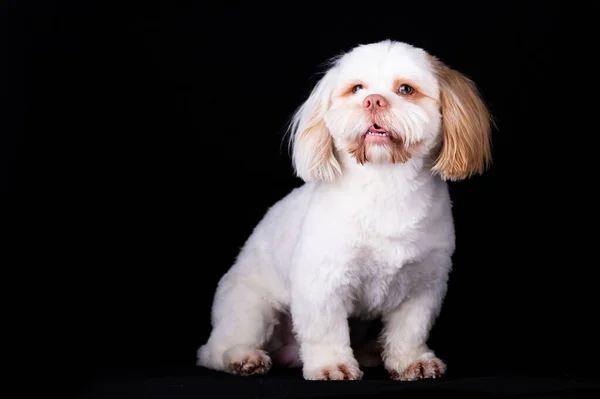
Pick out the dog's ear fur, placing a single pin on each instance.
(466, 122)
(313, 153)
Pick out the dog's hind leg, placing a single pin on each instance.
(243, 319)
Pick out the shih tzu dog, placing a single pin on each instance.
(370, 234)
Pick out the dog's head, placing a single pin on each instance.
(389, 102)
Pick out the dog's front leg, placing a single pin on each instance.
(406, 329)
(321, 327)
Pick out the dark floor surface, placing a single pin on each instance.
(201, 383)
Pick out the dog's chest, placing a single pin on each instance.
(383, 237)
(390, 241)
(382, 281)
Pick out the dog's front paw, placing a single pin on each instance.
(340, 371)
(245, 361)
(419, 370)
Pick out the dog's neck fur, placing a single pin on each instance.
(398, 179)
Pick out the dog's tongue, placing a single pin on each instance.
(375, 128)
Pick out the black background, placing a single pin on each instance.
(147, 141)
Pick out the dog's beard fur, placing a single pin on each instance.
(401, 146)
(393, 152)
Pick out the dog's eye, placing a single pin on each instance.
(357, 88)
(406, 90)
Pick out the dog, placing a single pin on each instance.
(369, 235)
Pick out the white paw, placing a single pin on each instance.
(338, 371)
(419, 370)
(245, 361)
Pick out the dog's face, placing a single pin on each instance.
(388, 102)
(383, 103)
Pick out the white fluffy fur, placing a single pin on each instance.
(356, 240)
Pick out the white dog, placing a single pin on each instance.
(370, 235)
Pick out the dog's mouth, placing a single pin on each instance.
(377, 133)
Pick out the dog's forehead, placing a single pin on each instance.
(387, 61)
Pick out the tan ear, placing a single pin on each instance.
(466, 123)
(313, 152)
(314, 156)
